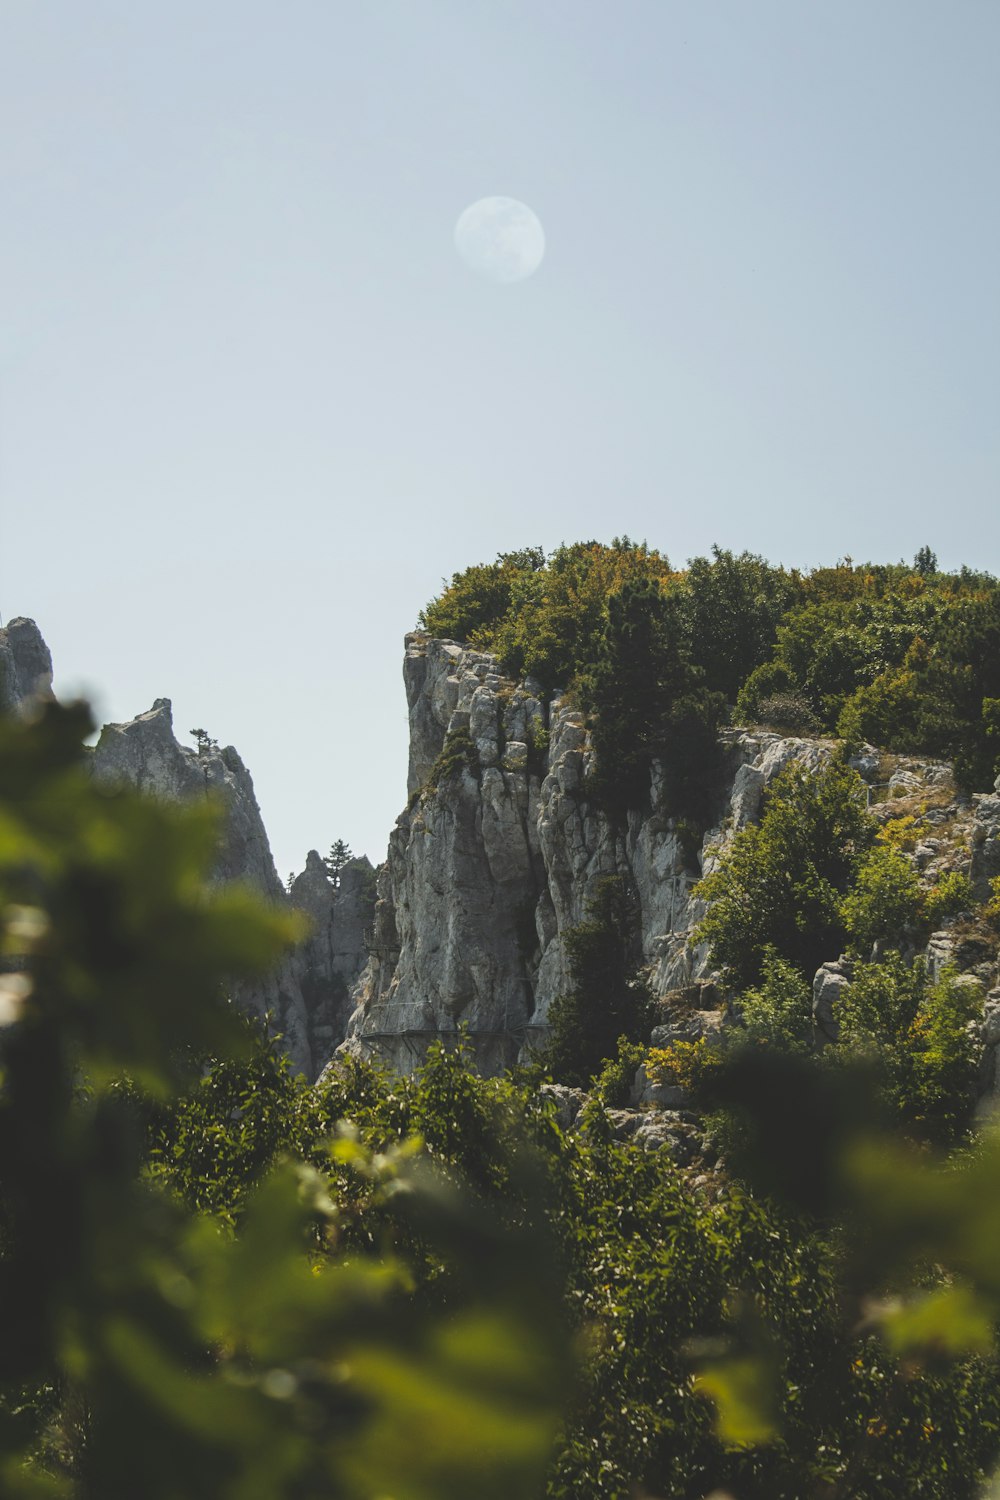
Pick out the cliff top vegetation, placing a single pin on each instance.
(902, 655)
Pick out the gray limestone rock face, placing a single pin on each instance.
(432, 691)
(568, 1102)
(491, 865)
(330, 958)
(652, 1090)
(25, 667)
(829, 985)
(144, 753)
(940, 953)
(985, 844)
(307, 994)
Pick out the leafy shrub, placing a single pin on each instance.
(538, 747)
(878, 1007)
(903, 833)
(789, 711)
(613, 1085)
(945, 1053)
(780, 884)
(477, 599)
(778, 1013)
(688, 1064)
(884, 712)
(884, 900)
(458, 754)
(542, 617)
(950, 896)
(772, 679)
(919, 1036)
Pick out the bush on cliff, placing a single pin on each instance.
(647, 700)
(779, 887)
(901, 656)
(653, 653)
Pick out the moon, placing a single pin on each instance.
(501, 239)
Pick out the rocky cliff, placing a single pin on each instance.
(25, 666)
(497, 855)
(499, 852)
(308, 995)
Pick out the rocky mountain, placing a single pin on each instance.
(308, 997)
(499, 852)
(498, 855)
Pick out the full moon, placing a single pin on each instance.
(500, 238)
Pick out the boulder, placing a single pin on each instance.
(829, 984)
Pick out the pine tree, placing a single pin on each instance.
(339, 855)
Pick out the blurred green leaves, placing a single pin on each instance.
(152, 1351)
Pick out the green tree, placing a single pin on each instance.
(918, 1035)
(637, 673)
(884, 900)
(649, 701)
(778, 1013)
(780, 884)
(204, 741)
(339, 856)
(734, 605)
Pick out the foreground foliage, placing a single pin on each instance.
(218, 1282)
(148, 1350)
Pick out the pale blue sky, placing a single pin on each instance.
(253, 406)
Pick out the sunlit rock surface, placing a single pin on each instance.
(491, 864)
(500, 851)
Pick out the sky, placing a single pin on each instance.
(255, 407)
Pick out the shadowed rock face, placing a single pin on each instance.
(307, 996)
(25, 666)
(330, 959)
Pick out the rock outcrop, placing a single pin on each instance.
(307, 995)
(500, 851)
(146, 754)
(25, 666)
(329, 960)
